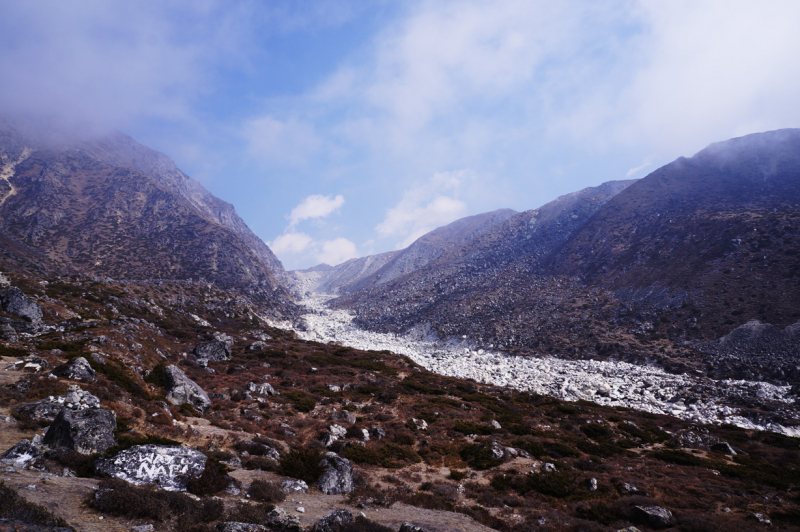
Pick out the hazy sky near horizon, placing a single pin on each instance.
(345, 128)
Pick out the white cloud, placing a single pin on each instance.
(290, 244)
(283, 143)
(426, 206)
(315, 206)
(337, 251)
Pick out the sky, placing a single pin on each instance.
(340, 129)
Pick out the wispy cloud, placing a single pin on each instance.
(315, 206)
(426, 206)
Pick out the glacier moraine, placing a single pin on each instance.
(645, 388)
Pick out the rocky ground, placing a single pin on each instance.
(647, 388)
(178, 406)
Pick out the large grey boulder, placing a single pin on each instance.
(656, 516)
(338, 475)
(21, 455)
(47, 409)
(213, 350)
(333, 522)
(85, 431)
(279, 520)
(8, 333)
(13, 300)
(166, 466)
(77, 369)
(181, 389)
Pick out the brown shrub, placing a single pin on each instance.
(250, 513)
(264, 491)
(12, 506)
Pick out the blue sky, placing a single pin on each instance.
(340, 129)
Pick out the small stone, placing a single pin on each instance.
(549, 468)
(290, 486)
(761, 518)
(301, 509)
(142, 528)
(657, 516)
(495, 424)
(420, 424)
(592, 484)
(408, 527)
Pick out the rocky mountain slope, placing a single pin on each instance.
(718, 233)
(641, 272)
(109, 207)
(375, 270)
(267, 431)
(490, 288)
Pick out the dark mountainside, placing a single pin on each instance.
(684, 256)
(113, 208)
(719, 232)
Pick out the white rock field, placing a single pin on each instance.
(645, 388)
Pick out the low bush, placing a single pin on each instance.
(213, 479)
(264, 491)
(301, 400)
(479, 456)
(249, 513)
(260, 462)
(13, 506)
(157, 376)
(302, 463)
(119, 498)
(470, 427)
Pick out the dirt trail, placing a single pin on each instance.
(7, 172)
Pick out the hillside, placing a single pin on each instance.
(109, 207)
(718, 233)
(268, 410)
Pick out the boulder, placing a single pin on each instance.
(85, 431)
(181, 389)
(14, 301)
(233, 526)
(344, 416)
(408, 527)
(213, 350)
(32, 363)
(338, 475)
(279, 520)
(290, 486)
(166, 466)
(47, 409)
(420, 424)
(327, 439)
(497, 450)
(377, 432)
(260, 449)
(338, 431)
(77, 369)
(21, 455)
(333, 522)
(656, 516)
(8, 333)
(257, 346)
(260, 389)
